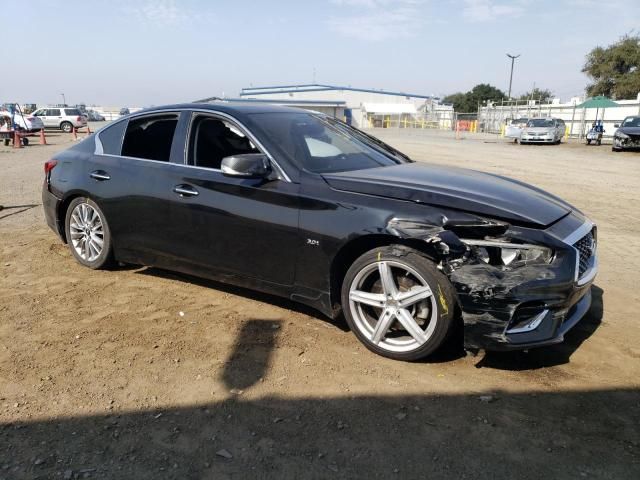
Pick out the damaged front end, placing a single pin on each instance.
(517, 287)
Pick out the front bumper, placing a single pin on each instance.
(631, 143)
(527, 139)
(530, 306)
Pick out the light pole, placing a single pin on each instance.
(513, 58)
(64, 100)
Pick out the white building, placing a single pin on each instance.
(361, 107)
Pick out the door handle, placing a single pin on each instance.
(185, 191)
(100, 175)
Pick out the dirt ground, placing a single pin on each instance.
(140, 373)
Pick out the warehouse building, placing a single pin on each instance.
(360, 107)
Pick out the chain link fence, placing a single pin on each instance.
(494, 117)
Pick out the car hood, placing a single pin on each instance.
(629, 130)
(538, 129)
(457, 188)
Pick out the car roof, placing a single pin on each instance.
(224, 107)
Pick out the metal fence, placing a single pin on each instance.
(493, 118)
(439, 119)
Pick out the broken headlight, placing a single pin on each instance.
(621, 135)
(509, 254)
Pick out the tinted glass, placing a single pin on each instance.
(315, 145)
(212, 139)
(53, 112)
(111, 138)
(72, 111)
(631, 122)
(540, 122)
(150, 137)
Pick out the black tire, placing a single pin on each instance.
(25, 141)
(588, 142)
(6, 142)
(443, 296)
(599, 142)
(614, 149)
(66, 127)
(105, 259)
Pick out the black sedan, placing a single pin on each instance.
(627, 135)
(301, 205)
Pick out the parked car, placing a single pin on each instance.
(627, 135)
(94, 116)
(543, 130)
(28, 123)
(304, 206)
(514, 129)
(64, 118)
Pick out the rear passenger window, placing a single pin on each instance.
(111, 138)
(150, 137)
(212, 139)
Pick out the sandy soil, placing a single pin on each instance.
(140, 373)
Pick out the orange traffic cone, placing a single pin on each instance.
(43, 139)
(75, 133)
(17, 141)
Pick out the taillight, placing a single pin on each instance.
(49, 165)
(79, 119)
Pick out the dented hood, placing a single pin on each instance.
(457, 188)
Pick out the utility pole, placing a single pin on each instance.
(64, 100)
(513, 58)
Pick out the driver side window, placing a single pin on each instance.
(213, 139)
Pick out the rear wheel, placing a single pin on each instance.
(397, 303)
(66, 127)
(88, 233)
(588, 142)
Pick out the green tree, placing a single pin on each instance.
(543, 96)
(468, 102)
(615, 70)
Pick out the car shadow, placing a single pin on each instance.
(573, 434)
(554, 355)
(275, 300)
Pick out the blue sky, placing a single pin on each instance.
(146, 52)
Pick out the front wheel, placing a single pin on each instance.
(88, 233)
(397, 303)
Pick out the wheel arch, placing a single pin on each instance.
(356, 247)
(64, 206)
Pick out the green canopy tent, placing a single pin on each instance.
(599, 102)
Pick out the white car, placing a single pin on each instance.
(543, 130)
(64, 118)
(24, 122)
(514, 129)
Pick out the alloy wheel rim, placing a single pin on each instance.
(393, 306)
(87, 232)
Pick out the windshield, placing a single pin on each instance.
(314, 144)
(631, 122)
(519, 121)
(540, 122)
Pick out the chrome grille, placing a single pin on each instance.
(586, 247)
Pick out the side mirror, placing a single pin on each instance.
(617, 125)
(246, 165)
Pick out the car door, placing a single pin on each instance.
(130, 179)
(246, 227)
(53, 117)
